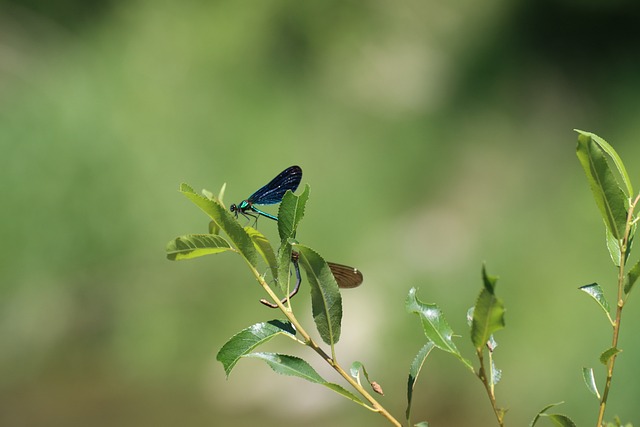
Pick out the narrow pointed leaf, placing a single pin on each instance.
(355, 369)
(414, 371)
(225, 220)
(595, 291)
(613, 246)
(610, 199)
(213, 227)
(488, 313)
(617, 161)
(560, 420)
(284, 267)
(542, 412)
(326, 302)
(608, 354)
(632, 277)
(291, 212)
(264, 248)
(434, 325)
(294, 366)
(590, 381)
(196, 245)
(246, 340)
(422, 424)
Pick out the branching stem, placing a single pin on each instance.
(376, 407)
(624, 248)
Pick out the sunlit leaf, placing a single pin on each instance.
(291, 212)
(414, 371)
(434, 325)
(617, 161)
(196, 245)
(488, 313)
(246, 340)
(609, 198)
(294, 366)
(326, 302)
(595, 291)
(264, 248)
(225, 220)
(590, 381)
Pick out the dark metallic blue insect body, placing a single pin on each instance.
(270, 194)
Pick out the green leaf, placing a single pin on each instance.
(590, 381)
(414, 371)
(595, 291)
(613, 245)
(434, 325)
(264, 248)
(542, 413)
(246, 340)
(355, 369)
(560, 420)
(294, 366)
(196, 245)
(609, 198)
(213, 227)
(617, 161)
(291, 212)
(284, 266)
(632, 277)
(608, 354)
(488, 313)
(422, 424)
(326, 302)
(225, 220)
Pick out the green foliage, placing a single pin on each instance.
(414, 371)
(247, 339)
(225, 221)
(485, 318)
(590, 381)
(326, 302)
(609, 197)
(488, 313)
(557, 419)
(296, 367)
(434, 325)
(595, 291)
(196, 245)
(617, 209)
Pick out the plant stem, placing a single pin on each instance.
(488, 385)
(377, 407)
(616, 326)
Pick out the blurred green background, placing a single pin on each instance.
(434, 135)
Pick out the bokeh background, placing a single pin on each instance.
(435, 136)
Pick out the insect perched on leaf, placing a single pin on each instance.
(270, 194)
